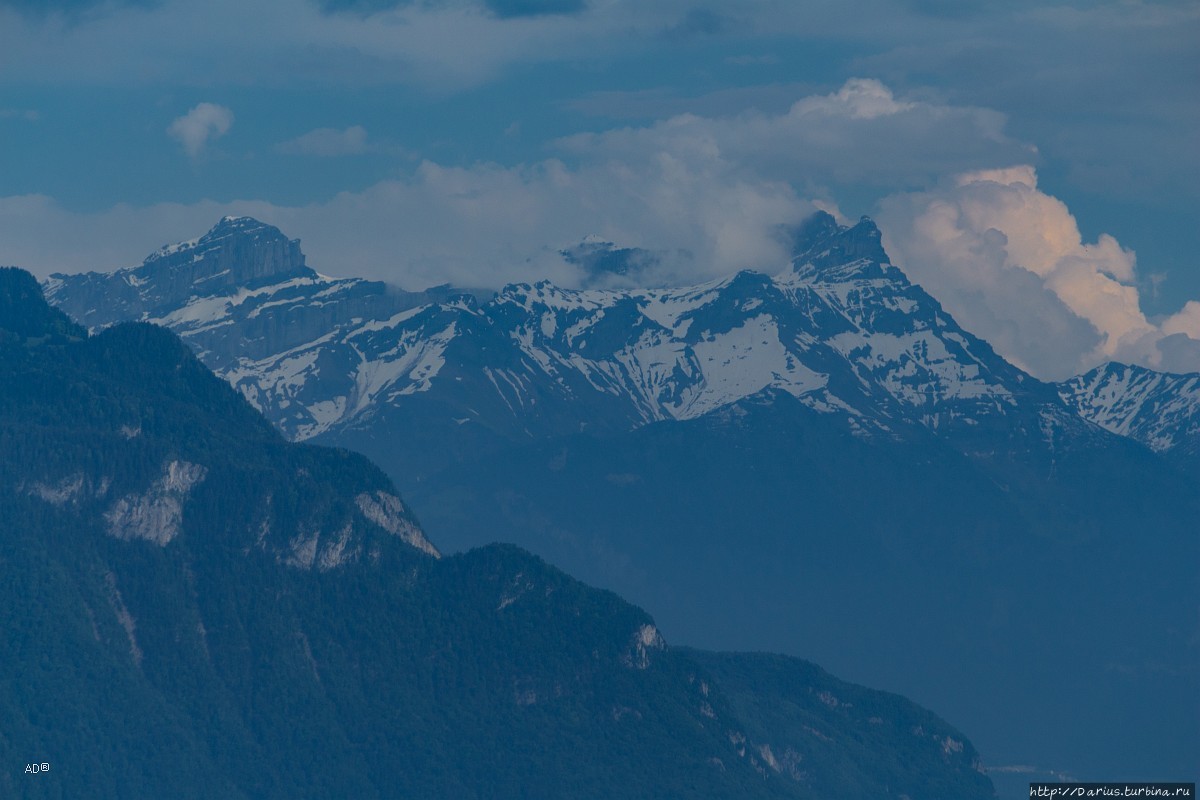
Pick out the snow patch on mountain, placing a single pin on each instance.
(743, 362)
(1161, 410)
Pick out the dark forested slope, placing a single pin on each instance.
(193, 607)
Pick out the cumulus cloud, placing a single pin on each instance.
(1004, 257)
(1052, 65)
(447, 45)
(712, 191)
(1008, 261)
(38, 234)
(1186, 321)
(327, 142)
(204, 122)
(861, 134)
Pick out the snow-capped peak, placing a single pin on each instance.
(192, 282)
(841, 330)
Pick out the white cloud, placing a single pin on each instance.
(204, 122)
(713, 192)
(39, 235)
(329, 142)
(446, 44)
(1186, 321)
(1005, 258)
(480, 226)
(861, 134)
(1008, 261)
(1055, 67)
(859, 98)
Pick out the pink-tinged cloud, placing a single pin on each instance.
(1009, 262)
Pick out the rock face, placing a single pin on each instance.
(157, 515)
(386, 511)
(241, 289)
(238, 253)
(252, 618)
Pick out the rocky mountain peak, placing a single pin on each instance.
(236, 252)
(238, 255)
(233, 224)
(821, 226)
(599, 258)
(825, 250)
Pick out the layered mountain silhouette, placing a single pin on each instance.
(840, 330)
(819, 460)
(195, 607)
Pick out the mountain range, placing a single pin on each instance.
(195, 607)
(841, 329)
(819, 460)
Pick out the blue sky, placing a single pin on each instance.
(1033, 164)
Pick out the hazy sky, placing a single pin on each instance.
(1035, 165)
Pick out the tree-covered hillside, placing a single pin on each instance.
(193, 607)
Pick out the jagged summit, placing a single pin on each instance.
(237, 251)
(226, 227)
(237, 258)
(244, 226)
(842, 330)
(606, 264)
(234, 221)
(820, 226)
(826, 251)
